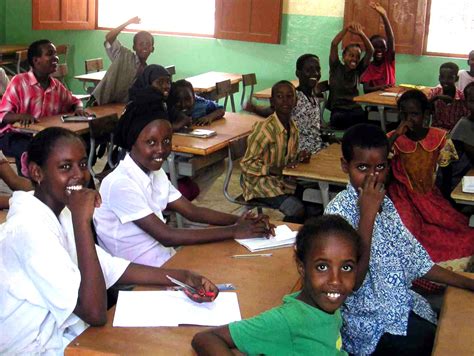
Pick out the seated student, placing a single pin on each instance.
(417, 149)
(202, 111)
(448, 102)
(126, 65)
(463, 137)
(12, 180)
(31, 96)
(383, 316)
(54, 278)
(272, 146)
(130, 221)
(466, 76)
(380, 73)
(344, 79)
(306, 114)
(308, 322)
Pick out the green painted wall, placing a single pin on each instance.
(300, 34)
(3, 4)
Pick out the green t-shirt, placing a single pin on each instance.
(293, 328)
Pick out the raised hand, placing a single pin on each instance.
(379, 8)
(134, 20)
(82, 203)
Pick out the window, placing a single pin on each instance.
(177, 16)
(451, 26)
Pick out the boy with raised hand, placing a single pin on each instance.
(383, 316)
(126, 65)
(448, 101)
(33, 95)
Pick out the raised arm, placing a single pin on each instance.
(112, 34)
(386, 23)
(334, 54)
(356, 29)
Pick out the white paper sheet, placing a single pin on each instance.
(468, 184)
(283, 237)
(388, 93)
(172, 308)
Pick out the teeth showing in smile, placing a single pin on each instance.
(158, 159)
(74, 187)
(333, 295)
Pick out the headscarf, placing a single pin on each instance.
(130, 126)
(144, 80)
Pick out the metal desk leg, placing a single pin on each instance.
(383, 120)
(324, 188)
(232, 103)
(174, 181)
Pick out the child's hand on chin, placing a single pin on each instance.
(82, 202)
(371, 195)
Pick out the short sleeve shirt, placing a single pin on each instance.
(294, 328)
(129, 194)
(203, 107)
(384, 301)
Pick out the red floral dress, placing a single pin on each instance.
(443, 231)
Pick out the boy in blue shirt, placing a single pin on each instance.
(383, 316)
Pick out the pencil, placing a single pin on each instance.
(252, 255)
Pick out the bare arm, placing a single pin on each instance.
(211, 117)
(111, 36)
(263, 111)
(370, 199)
(92, 297)
(334, 55)
(4, 201)
(12, 180)
(216, 341)
(386, 23)
(356, 29)
(236, 227)
(24, 119)
(442, 275)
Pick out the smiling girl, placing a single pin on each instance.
(130, 222)
(308, 322)
(54, 277)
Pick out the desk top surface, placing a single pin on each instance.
(91, 77)
(459, 196)
(454, 335)
(324, 166)
(267, 93)
(261, 283)
(375, 98)
(78, 127)
(232, 126)
(206, 82)
(12, 48)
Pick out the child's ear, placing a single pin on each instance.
(344, 165)
(35, 172)
(300, 267)
(297, 73)
(271, 104)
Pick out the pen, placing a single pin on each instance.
(189, 288)
(253, 255)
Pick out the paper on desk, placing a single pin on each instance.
(468, 184)
(283, 237)
(388, 93)
(172, 308)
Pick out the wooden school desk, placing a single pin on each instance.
(323, 168)
(92, 77)
(261, 283)
(205, 84)
(78, 127)
(7, 55)
(267, 93)
(454, 335)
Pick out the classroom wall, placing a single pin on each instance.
(2, 20)
(308, 26)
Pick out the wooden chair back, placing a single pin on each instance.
(223, 90)
(248, 80)
(94, 65)
(171, 70)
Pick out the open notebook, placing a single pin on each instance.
(170, 308)
(284, 237)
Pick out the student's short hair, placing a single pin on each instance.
(301, 59)
(467, 89)
(43, 143)
(322, 226)
(450, 65)
(35, 50)
(176, 88)
(417, 95)
(349, 46)
(365, 136)
(281, 82)
(377, 37)
(143, 33)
